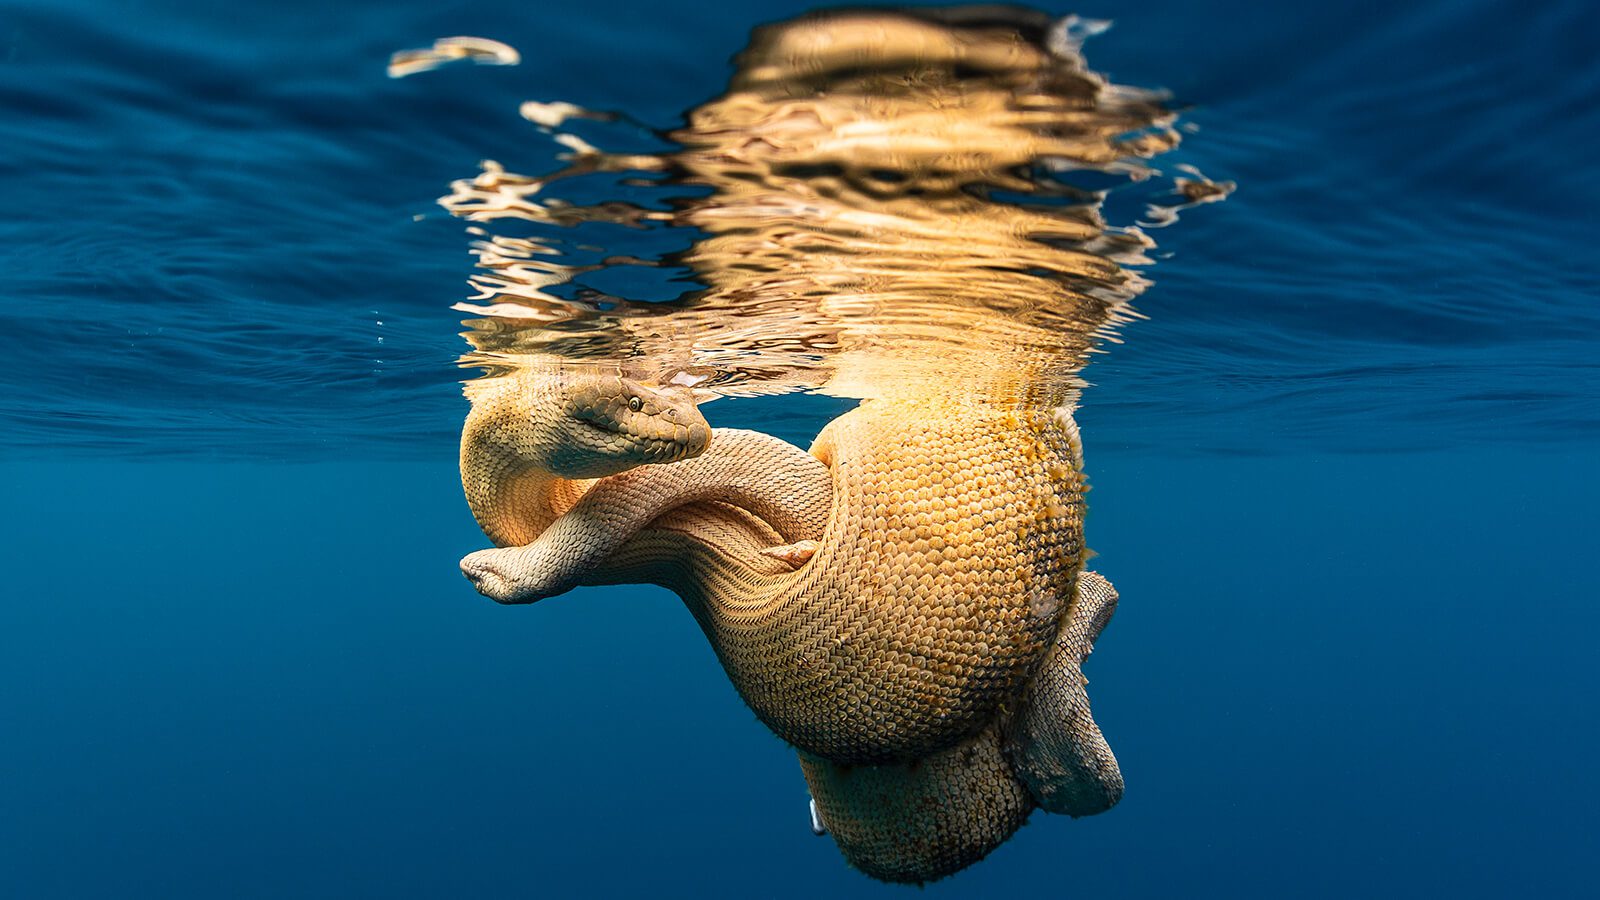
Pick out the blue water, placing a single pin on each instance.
(1344, 475)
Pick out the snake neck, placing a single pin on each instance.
(513, 498)
(515, 508)
(782, 488)
(708, 554)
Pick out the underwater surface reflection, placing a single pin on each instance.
(880, 204)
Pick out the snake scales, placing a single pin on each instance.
(915, 648)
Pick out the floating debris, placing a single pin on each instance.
(550, 115)
(482, 51)
(1186, 194)
(1201, 189)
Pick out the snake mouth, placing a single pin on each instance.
(599, 426)
(644, 443)
(667, 443)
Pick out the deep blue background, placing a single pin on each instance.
(1330, 676)
(1344, 476)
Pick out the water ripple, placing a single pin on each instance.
(211, 212)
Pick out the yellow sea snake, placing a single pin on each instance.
(953, 536)
(911, 820)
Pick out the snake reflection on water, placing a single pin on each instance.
(896, 646)
(886, 205)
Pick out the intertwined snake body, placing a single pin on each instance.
(822, 656)
(910, 821)
(936, 588)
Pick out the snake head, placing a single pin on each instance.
(611, 424)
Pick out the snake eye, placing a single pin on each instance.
(635, 404)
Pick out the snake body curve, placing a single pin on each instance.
(952, 539)
(704, 527)
(909, 821)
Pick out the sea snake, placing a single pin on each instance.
(951, 537)
(709, 527)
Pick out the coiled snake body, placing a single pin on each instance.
(935, 590)
(896, 647)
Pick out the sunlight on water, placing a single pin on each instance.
(246, 262)
(881, 204)
(452, 49)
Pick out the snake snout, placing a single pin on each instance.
(698, 440)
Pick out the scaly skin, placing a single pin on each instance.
(921, 821)
(954, 533)
(701, 527)
(912, 821)
(785, 488)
